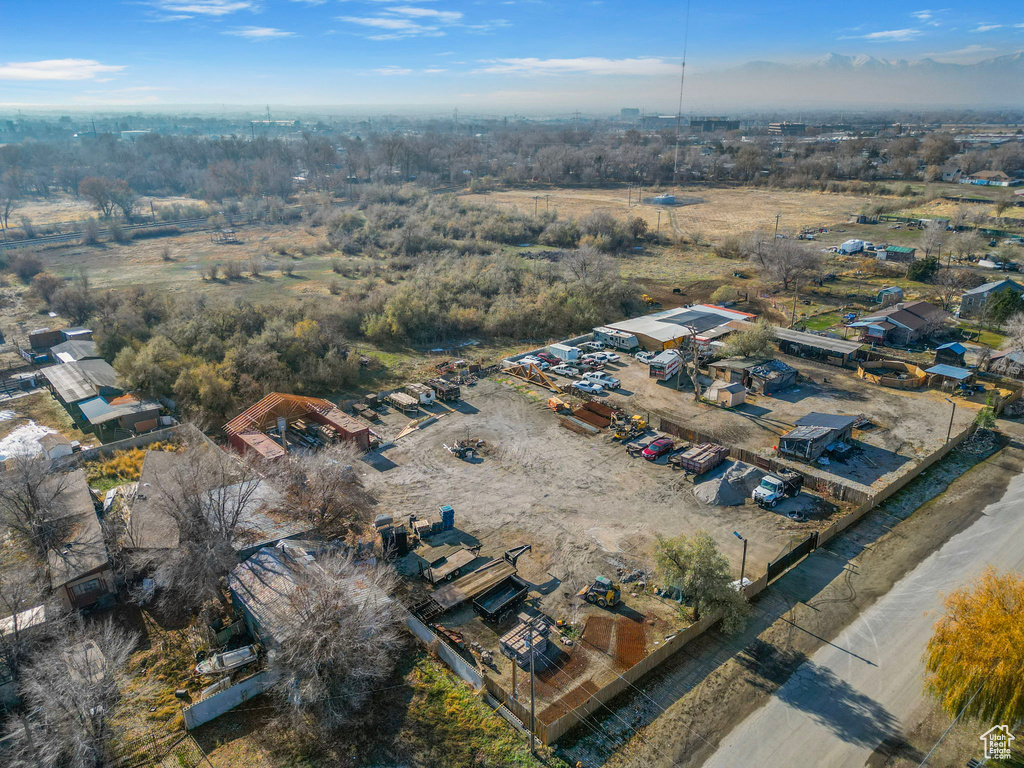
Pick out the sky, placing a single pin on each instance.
(481, 56)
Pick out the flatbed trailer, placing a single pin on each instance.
(403, 402)
(448, 568)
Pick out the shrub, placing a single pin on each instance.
(91, 231)
(211, 271)
(233, 270)
(118, 234)
(26, 266)
(45, 286)
(724, 293)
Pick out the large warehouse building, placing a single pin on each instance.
(671, 328)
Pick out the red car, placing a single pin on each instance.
(547, 357)
(657, 448)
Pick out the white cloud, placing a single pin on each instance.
(987, 27)
(259, 33)
(923, 15)
(892, 36)
(205, 7)
(430, 14)
(56, 69)
(589, 65)
(393, 70)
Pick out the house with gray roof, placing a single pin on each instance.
(972, 303)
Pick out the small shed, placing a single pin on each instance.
(729, 394)
(950, 354)
(949, 376)
(901, 253)
(760, 375)
(814, 433)
(891, 295)
(55, 445)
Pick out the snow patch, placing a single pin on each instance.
(24, 441)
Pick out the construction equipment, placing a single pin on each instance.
(633, 427)
(602, 592)
(448, 568)
(557, 405)
(650, 301)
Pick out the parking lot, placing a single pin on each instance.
(904, 426)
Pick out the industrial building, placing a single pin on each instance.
(708, 124)
(671, 328)
(786, 128)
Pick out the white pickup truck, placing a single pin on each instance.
(606, 381)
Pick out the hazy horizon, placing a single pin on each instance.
(535, 57)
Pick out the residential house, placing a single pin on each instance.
(75, 350)
(814, 433)
(75, 382)
(757, 374)
(991, 179)
(79, 569)
(901, 324)
(952, 174)
(973, 302)
(121, 417)
(1009, 363)
(163, 481)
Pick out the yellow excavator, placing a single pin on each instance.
(602, 592)
(650, 301)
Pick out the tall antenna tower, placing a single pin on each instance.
(679, 110)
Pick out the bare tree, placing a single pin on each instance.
(323, 488)
(952, 282)
(10, 196)
(70, 693)
(587, 264)
(786, 261)
(34, 504)
(965, 244)
(339, 639)
(932, 240)
(206, 495)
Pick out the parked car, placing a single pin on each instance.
(566, 370)
(547, 357)
(606, 381)
(595, 357)
(593, 346)
(589, 387)
(529, 359)
(608, 357)
(657, 448)
(645, 357)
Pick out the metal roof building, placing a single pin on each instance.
(671, 327)
(77, 381)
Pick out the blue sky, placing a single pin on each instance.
(492, 56)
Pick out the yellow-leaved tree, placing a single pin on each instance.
(976, 655)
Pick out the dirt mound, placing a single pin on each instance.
(731, 488)
(743, 477)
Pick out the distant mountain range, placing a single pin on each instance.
(836, 79)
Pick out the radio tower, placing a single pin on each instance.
(679, 111)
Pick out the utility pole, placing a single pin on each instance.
(533, 718)
(777, 217)
(658, 230)
(547, 202)
(629, 192)
(536, 202)
(515, 691)
(743, 563)
(950, 430)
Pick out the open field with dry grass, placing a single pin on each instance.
(712, 213)
(63, 208)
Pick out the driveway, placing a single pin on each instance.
(854, 697)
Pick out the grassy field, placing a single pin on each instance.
(708, 212)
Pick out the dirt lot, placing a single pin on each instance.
(906, 425)
(713, 213)
(583, 503)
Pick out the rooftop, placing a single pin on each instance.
(829, 420)
(84, 550)
(81, 380)
(75, 350)
(671, 324)
(839, 346)
(99, 411)
(994, 285)
(950, 372)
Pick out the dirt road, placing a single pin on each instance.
(850, 702)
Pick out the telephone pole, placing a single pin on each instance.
(533, 696)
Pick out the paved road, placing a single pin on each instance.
(857, 693)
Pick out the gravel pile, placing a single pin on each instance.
(731, 488)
